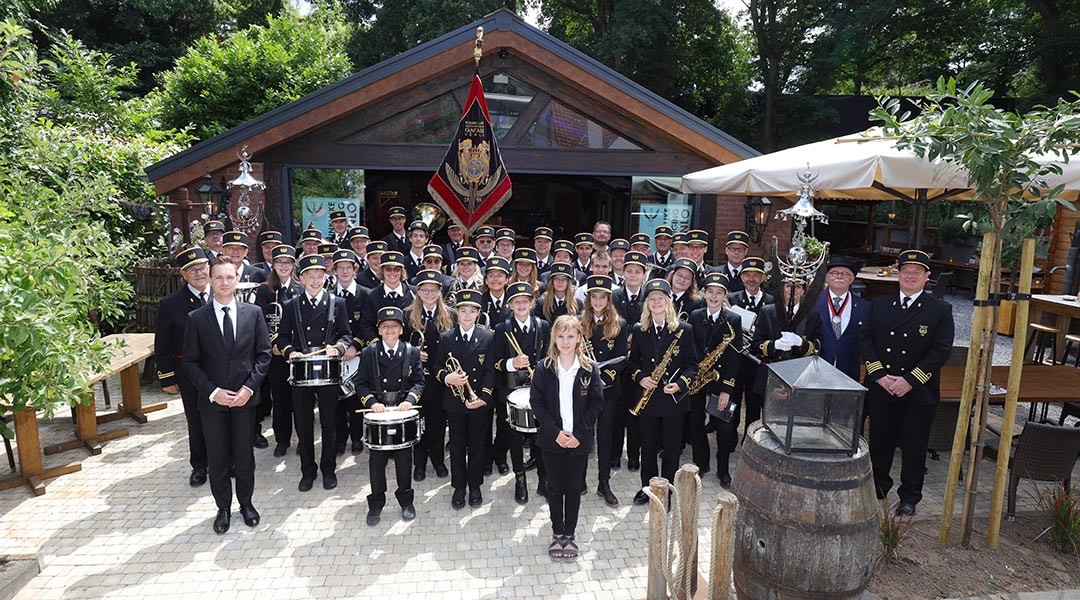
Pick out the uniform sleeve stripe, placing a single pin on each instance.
(161, 375)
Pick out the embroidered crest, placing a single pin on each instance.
(611, 344)
(585, 382)
(924, 329)
(480, 357)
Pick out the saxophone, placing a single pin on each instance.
(706, 371)
(657, 375)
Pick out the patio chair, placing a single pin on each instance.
(943, 428)
(940, 286)
(1044, 452)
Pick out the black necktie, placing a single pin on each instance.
(905, 302)
(465, 337)
(633, 298)
(392, 296)
(202, 298)
(390, 354)
(498, 306)
(659, 331)
(345, 294)
(227, 328)
(312, 302)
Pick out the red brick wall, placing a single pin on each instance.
(731, 216)
(258, 198)
(1058, 254)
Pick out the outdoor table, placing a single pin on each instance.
(1064, 311)
(877, 284)
(1038, 383)
(136, 348)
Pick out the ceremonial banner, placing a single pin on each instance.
(472, 182)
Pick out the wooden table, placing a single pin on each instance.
(1063, 310)
(1038, 383)
(136, 347)
(878, 285)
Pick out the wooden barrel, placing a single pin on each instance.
(808, 524)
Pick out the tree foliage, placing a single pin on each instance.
(70, 154)
(220, 84)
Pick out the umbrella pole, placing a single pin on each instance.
(968, 391)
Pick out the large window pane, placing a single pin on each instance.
(316, 192)
(560, 126)
(432, 122)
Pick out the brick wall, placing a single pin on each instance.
(258, 198)
(1060, 240)
(731, 216)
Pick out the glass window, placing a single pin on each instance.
(506, 98)
(433, 122)
(317, 192)
(560, 126)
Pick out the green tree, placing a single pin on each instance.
(220, 84)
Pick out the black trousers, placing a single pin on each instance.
(565, 472)
(727, 438)
(229, 437)
(281, 396)
(605, 433)
(304, 401)
(619, 425)
(432, 444)
(196, 439)
(744, 394)
(893, 421)
(266, 404)
(349, 422)
(470, 433)
(695, 431)
(402, 468)
(656, 433)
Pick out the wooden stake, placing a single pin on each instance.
(723, 547)
(686, 480)
(657, 586)
(967, 394)
(1001, 469)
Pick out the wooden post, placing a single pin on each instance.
(968, 391)
(1027, 262)
(657, 585)
(686, 480)
(723, 547)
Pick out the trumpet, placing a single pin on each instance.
(464, 391)
(587, 350)
(517, 348)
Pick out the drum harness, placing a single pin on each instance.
(329, 322)
(406, 372)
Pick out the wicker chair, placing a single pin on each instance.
(1044, 452)
(943, 428)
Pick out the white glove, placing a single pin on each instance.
(782, 344)
(788, 340)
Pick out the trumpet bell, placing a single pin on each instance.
(431, 215)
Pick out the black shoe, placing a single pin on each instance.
(633, 466)
(475, 498)
(305, 484)
(725, 480)
(710, 427)
(521, 489)
(441, 472)
(260, 441)
(604, 491)
(905, 509)
(280, 450)
(357, 447)
(458, 501)
(616, 465)
(198, 477)
(329, 481)
(419, 474)
(487, 469)
(221, 522)
(232, 472)
(640, 498)
(503, 468)
(251, 516)
(373, 517)
(340, 446)
(408, 513)
(530, 464)
(541, 488)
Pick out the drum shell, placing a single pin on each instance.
(388, 431)
(808, 524)
(519, 414)
(311, 371)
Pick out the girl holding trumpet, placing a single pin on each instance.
(520, 341)
(463, 364)
(427, 319)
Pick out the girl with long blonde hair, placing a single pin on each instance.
(429, 315)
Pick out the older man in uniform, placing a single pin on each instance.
(905, 341)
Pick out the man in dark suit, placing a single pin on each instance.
(542, 240)
(369, 276)
(697, 245)
(456, 233)
(842, 314)
(393, 291)
(354, 296)
(397, 239)
(738, 244)
(905, 341)
(663, 256)
(414, 256)
(339, 229)
(213, 234)
(169, 350)
(227, 355)
(314, 321)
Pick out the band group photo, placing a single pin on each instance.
(560, 359)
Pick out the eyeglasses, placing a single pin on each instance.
(839, 274)
(200, 268)
(283, 263)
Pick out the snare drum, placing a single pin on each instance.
(348, 372)
(309, 371)
(393, 429)
(519, 413)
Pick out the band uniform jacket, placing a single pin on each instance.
(311, 332)
(169, 332)
(556, 311)
(629, 311)
(490, 313)
(251, 274)
(844, 353)
(411, 266)
(342, 240)
(367, 278)
(432, 335)
(605, 350)
(399, 244)
(748, 368)
(769, 329)
(735, 283)
(376, 300)
(741, 299)
(209, 364)
(449, 255)
(703, 270)
(476, 360)
(354, 309)
(378, 372)
(265, 300)
(647, 351)
(661, 264)
(533, 344)
(913, 343)
(686, 304)
(708, 335)
(588, 402)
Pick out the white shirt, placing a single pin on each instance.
(757, 298)
(199, 294)
(714, 316)
(220, 315)
(399, 290)
(845, 312)
(417, 258)
(388, 349)
(316, 300)
(913, 297)
(351, 289)
(566, 393)
(469, 334)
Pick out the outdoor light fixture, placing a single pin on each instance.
(892, 211)
(209, 193)
(758, 211)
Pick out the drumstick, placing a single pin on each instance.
(389, 409)
(313, 352)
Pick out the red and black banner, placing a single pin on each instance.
(472, 182)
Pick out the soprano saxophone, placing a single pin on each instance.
(657, 375)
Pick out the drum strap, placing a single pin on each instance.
(406, 372)
(299, 327)
(534, 323)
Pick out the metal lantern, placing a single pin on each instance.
(811, 406)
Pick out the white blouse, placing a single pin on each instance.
(566, 393)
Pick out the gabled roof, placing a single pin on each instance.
(500, 27)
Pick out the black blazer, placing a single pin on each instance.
(376, 299)
(735, 283)
(740, 299)
(487, 306)
(366, 277)
(208, 363)
(629, 311)
(252, 274)
(913, 343)
(265, 300)
(686, 305)
(768, 329)
(534, 345)
(292, 335)
(708, 336)
(605, 350)
(432, 335)
(354, 309)
(646, 352)
(402, 374)
(588, 402)
(477, 359)
(169, 333)
(393, 242)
